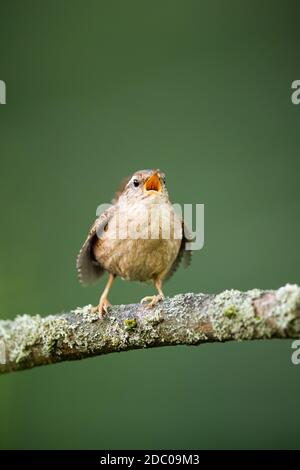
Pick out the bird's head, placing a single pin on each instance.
(147, 186)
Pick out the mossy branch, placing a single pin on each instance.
(186, 319)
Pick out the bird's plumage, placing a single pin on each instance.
(88, 268)
(140, 258)
(184, 256)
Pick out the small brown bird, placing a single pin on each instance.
(139, 238)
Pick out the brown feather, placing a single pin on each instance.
(121, 189)
(183, 254)
(88, 268)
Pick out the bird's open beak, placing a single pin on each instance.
(153, 183)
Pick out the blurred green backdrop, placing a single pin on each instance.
(200, 89)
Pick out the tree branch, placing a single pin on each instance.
(186, 319)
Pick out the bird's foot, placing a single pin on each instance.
(102, 308)
(152, 299)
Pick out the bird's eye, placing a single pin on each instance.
(136, 183)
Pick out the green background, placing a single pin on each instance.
(202, 90)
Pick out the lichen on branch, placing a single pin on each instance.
(186, 319)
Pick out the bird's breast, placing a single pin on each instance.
(140, 243)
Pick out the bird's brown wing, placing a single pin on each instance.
(184, 255)
(88, 268)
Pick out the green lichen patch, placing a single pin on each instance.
(231, 312)
(130, 323)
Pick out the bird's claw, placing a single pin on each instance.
(152, 299)
(102, 308)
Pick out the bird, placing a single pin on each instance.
(139, 237)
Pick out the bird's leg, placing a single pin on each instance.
(103, 301)
(154, 299)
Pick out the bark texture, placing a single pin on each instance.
(186, 319)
